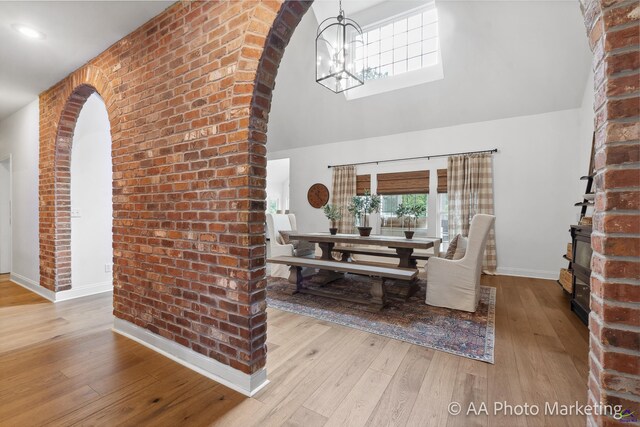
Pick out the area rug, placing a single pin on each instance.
(464, 334)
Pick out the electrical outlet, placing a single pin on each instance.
(108, 268)
(75, 214)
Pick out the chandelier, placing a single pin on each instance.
(339, 53)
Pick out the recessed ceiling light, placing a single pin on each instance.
(28, 31)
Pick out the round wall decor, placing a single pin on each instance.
(318, 195)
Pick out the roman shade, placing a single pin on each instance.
(363, 183)
(415, 182)
(442, 180)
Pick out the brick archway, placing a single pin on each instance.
(613, 31)
(56, 137)
(261, 58)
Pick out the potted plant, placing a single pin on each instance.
(333, 214)
(403, 212)
(361, 207)
(412, 212)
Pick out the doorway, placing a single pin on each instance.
(91, 201)
(278, 186)
(5, 215)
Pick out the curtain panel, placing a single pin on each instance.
(343, 188)
(470, 188)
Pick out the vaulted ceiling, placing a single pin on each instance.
(501, 59)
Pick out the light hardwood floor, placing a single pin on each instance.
(60, 364)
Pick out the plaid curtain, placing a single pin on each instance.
(470, 188)
(343, 189)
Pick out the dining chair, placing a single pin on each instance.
(456, 283)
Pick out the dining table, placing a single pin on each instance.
(403, 247)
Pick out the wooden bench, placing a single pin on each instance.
(381, 252)
(377, 272)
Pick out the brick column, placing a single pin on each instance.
(614, 323)
(262, 66)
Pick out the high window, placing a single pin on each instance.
(404, 43)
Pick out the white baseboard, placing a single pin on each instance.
(78, 292)
(83, 291)
(243, 383)
(523, 272)
(33, 287)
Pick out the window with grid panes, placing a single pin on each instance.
(402, 44)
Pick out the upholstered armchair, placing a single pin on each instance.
(456, 283)
(275, 224)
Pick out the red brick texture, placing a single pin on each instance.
(614, 35)
(188, 95)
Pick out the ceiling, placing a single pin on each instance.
(324, 9)
(75, 31)
(501, 59)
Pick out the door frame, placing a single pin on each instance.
(3, 158)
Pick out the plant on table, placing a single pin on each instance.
(412, 212)
(361, 207)
(333, 214)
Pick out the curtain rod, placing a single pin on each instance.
(494, 150)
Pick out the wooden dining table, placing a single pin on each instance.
(404, 247)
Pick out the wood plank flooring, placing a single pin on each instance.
(60, 365)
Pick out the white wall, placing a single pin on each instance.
(585, 135)
(586, 126)
(19, 135)
(278, 183)
(5, 215)
(91, 183)
(534, 179)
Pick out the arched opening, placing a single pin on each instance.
(91, 201)
(57, 126)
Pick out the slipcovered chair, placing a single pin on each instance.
(275, 224)
(456, 283)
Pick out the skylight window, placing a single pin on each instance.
(401, 44)
(399, 50)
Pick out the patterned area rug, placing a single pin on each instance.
(464, 334)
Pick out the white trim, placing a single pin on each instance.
(83, 291)
(525, 272)
(33, 287)
(243, 383)
(398, 81)
(3, 158)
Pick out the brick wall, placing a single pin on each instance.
(188, 168)
(614, 35)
